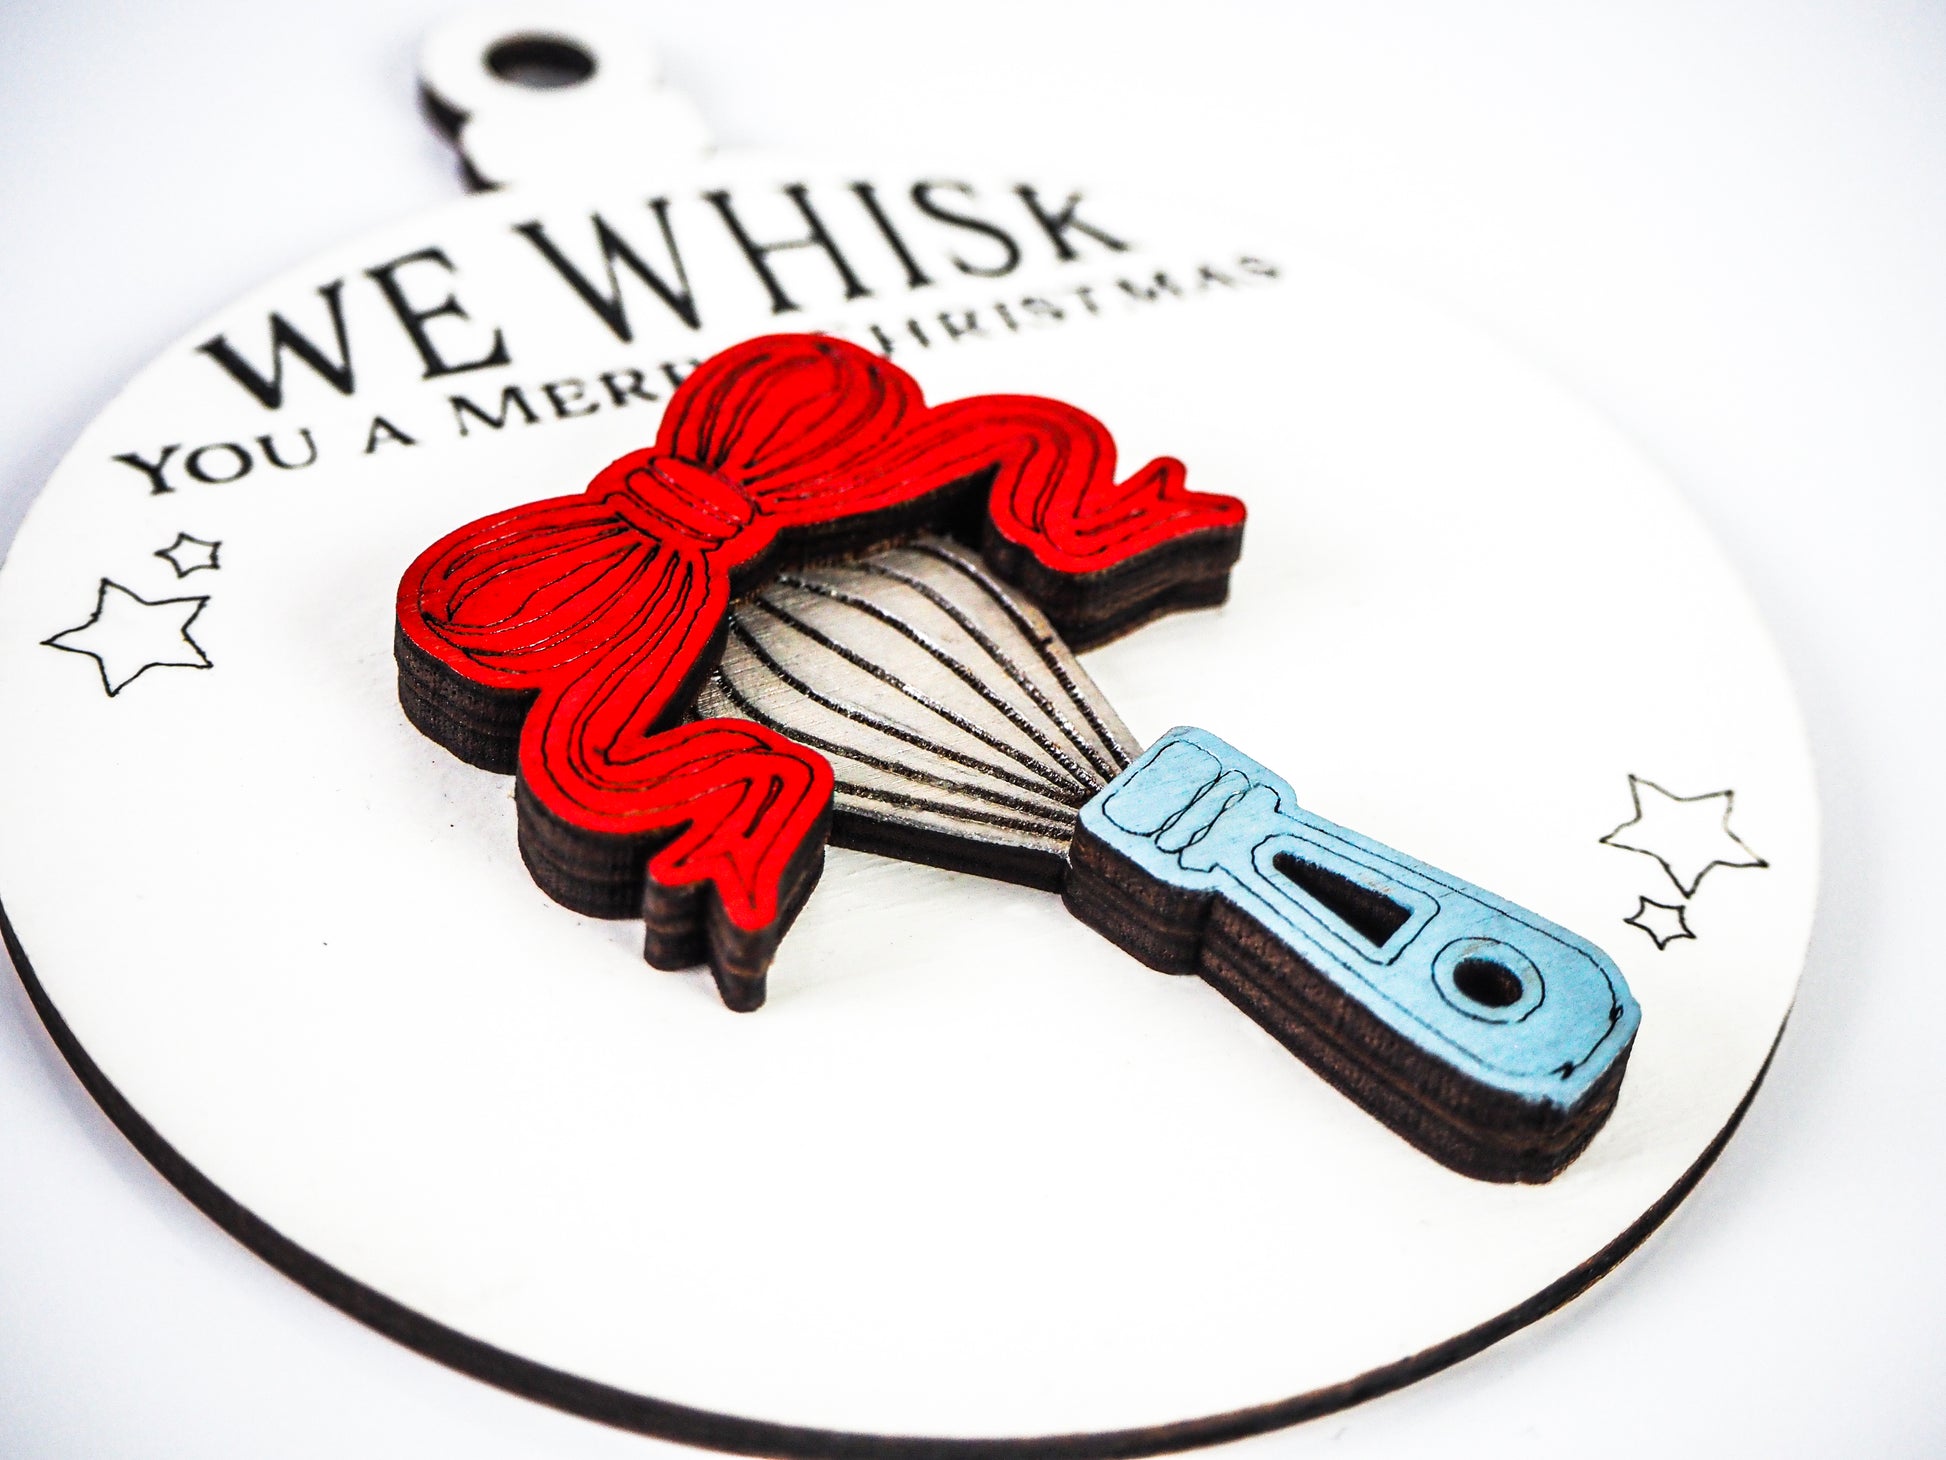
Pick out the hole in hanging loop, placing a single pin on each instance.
(540, 62)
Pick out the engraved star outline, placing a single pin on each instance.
(129, 619)
(1658, 828)
(1658, 924)
(174, 556)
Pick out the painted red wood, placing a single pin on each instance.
(595, 616)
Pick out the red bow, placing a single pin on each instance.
(564, 639)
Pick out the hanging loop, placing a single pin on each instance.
(530, 92)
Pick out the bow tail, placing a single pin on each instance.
(713, 832)
(1100, 556)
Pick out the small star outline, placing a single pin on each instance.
(1654, 918)
(1688, 843)
(126, 636)
(176, 558)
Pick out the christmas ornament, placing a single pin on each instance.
(971, 1175)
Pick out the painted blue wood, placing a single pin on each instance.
(1501, 995)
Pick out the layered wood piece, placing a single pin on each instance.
(566, 641)
(912, 704)
(1485, 1035)
(1191, 571)
(961, 730)
(1476, 1129)
(684, 925)
(478, 723)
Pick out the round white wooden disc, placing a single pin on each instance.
(971, 1172)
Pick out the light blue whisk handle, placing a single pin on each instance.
(1499, 1004)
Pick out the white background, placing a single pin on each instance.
(1723, 228)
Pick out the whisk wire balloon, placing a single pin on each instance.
(962, 731)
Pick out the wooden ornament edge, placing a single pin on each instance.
(668, 1420)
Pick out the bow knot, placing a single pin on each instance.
(679, 503)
